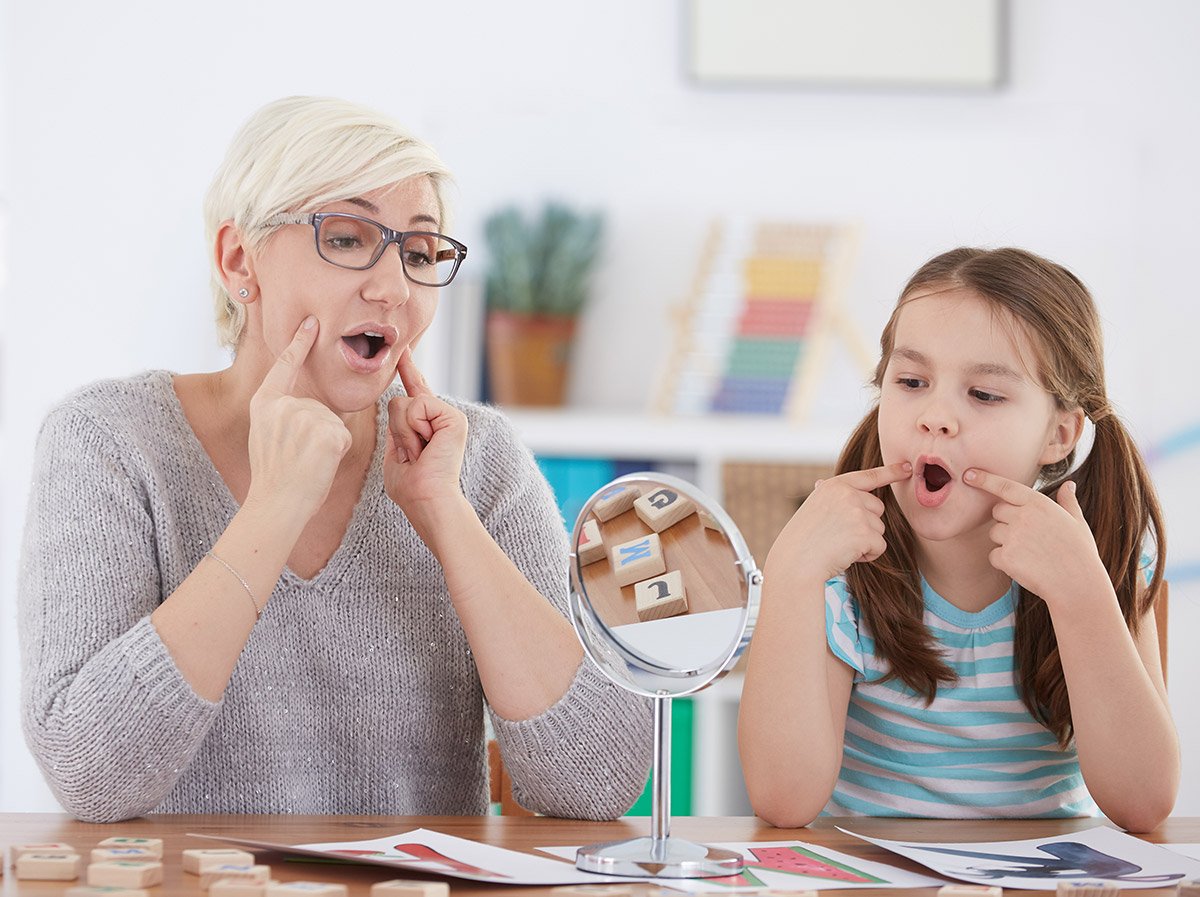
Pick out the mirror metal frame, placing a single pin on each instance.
(645, 675)
(660, 854)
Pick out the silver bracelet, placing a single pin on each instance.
(245, 585)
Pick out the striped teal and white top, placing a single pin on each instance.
(975, 752)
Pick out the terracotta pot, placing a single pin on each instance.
(528, 357)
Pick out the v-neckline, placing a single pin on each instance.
(356, 527)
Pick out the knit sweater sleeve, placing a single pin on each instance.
(106, 713)
(588, 755)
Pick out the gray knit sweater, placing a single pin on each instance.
(356, 692)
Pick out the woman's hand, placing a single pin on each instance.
(1043, 543)
(296, 444)
(424, 460)
(839, 524)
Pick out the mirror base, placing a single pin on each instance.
(663, 858)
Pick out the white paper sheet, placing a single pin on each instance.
(790, 866)
(1097, 854)
(423, 850)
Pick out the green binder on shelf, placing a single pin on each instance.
(682, 728)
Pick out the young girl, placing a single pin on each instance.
(953, 626)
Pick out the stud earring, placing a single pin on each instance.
(244, 293)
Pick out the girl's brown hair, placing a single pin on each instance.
(1056, 312)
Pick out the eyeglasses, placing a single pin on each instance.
(351, 241)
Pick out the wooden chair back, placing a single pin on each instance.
(501, 784)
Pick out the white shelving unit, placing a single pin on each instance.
(706, 442)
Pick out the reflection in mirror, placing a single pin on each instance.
(664, 594)
(661, 574)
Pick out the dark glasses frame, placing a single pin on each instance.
(456, 253)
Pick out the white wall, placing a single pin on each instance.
(117, 114)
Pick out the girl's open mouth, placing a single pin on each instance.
(933, 483)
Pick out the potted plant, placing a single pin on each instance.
(537, 284)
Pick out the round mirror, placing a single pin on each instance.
(664, 594)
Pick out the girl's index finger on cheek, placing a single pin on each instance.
(878, 477)
(896, 471)
(1009, 490)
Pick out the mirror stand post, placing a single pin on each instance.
(660, 805)
(669, 614)
(660, 854)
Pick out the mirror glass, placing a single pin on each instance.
(663, 581)
(664, 595)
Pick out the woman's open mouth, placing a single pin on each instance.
(367, 344)
(367, 348)
(933, 482)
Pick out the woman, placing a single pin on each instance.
(289, 586)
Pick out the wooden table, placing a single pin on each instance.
(515, 833)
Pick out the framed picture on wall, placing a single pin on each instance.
(847, 43)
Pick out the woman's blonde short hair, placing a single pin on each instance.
(296, 155)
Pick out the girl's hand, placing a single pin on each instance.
(296, 444)
(428, 437)
(839, 524)
(1043, 543)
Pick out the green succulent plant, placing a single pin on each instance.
(541, 266)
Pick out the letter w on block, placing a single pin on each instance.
(637, 559)
(635, 552)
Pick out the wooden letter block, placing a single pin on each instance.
(150, 845)
(1087, 889)
(305, 888)
(661, 596)
(235, 872)
(231, 887)
(663, 508)
(19, 850)
(93, 891)
(125, 874)
(970, 891)
(107, 854)
(638, 559)
(615, 500)
(49, 866)
(199, 861)
(591, 545)
(708, 519)
(399, 887)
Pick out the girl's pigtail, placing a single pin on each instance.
(1117, 496)
(1118, 501)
